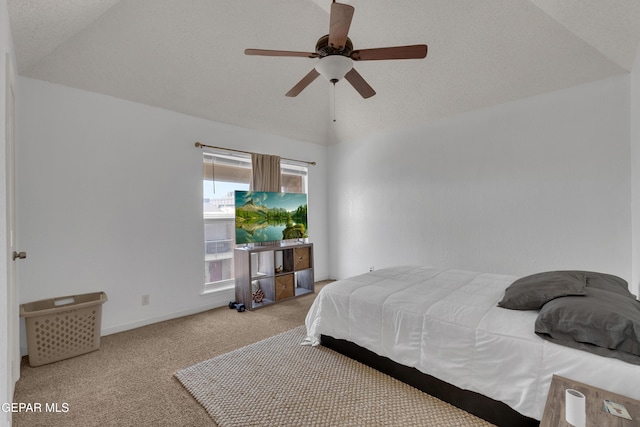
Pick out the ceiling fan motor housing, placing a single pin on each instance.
(324, 49)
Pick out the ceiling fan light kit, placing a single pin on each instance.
(336, 54)
(334, 67)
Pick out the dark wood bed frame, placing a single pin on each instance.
(491, 410)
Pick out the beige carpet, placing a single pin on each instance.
(130, 381)
(278, 382)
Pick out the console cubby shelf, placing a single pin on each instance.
(281, 271)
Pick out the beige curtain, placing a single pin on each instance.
(265, 175)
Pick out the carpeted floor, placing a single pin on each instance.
(278, 382)
(130, 380)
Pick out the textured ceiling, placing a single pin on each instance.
(187, 56)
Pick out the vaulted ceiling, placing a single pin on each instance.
(188, 56)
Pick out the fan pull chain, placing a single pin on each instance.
(334, 102)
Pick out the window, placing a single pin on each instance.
(294, 178)
(222, 175)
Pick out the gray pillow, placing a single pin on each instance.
(608, 282)
(532, 292)
(602, 322)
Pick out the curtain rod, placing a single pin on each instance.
(200, 145)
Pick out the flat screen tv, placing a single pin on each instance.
(265, 216)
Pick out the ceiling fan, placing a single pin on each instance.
(336, 54)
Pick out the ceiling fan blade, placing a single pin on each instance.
(340, 21)
(306, 81)
(266, 52)
(416, 51)
(359, 84)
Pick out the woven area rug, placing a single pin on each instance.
(278, 382)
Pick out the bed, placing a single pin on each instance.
(447, 326)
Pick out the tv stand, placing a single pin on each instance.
(281, 272)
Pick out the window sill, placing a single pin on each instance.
(215, 289)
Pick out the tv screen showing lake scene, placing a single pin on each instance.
(265, 216)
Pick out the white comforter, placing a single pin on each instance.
(445, 323)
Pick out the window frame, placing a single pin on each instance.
(287, 168)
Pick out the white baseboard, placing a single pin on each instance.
(213, 300)
(216, 299)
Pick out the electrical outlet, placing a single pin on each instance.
(145, 299)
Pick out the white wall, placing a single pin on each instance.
(110, 198)
(532, 185)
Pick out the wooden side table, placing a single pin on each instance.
(554, 415)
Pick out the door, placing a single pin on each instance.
(13, 323)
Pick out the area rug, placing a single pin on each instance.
(278, 382)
